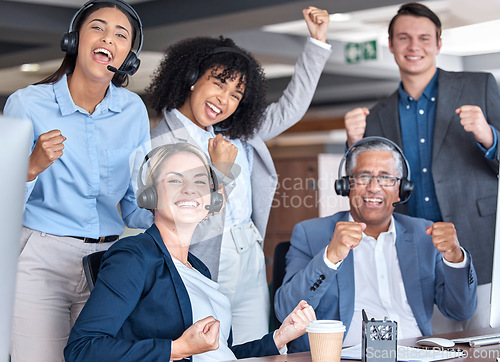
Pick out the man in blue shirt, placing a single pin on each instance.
(447, 124)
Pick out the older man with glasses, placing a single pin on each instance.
(370, 258)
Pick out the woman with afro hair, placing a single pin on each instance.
(212, 94)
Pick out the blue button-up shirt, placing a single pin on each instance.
(417, 128)
(79, 194)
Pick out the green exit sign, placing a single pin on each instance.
(357, 52)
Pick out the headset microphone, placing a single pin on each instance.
(218, 128)
(118, 71)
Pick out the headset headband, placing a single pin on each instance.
(151, 153)
(228, 50)
(342, 184)
(193, 74)
(122, 5)
(406, 168)
(147, 196)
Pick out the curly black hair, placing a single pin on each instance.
(170, 86)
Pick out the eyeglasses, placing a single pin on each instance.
(383, 180)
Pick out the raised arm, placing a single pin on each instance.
(297, 97)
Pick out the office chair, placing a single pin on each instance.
(91, 265)
(279, 264)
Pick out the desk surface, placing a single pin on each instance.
(483, 354)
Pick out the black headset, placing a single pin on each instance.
(343, 186)
(69, 41)
(147, 196)
(193, 74)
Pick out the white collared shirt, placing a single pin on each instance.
(207, 300)
(379, 287)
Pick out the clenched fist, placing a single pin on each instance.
(48, 148)
(222, 153)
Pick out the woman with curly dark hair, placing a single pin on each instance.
(189, 59)
(212, 94)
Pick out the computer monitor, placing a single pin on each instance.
(495, 276)
(15, 138)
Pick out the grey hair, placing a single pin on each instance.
(373, 145)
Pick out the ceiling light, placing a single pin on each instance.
(33, 67)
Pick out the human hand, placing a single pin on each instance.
(48, 148)
(346, 236)
(317, 21)
(472, 120)
(444, 238)
(355, 124)
(295, 324)
(202, 336)
(222, 153)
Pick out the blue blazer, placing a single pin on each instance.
(139, 305)
(426, 278)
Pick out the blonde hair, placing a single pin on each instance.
(160, 154)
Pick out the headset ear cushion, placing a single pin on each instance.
(134, 64)
(192, 77)
(342, 186)
(131, 63)
(216, 202)
(69, 43)
(147, 198)
(405, 189)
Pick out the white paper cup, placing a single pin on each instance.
(325, 339)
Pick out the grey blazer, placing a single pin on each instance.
(465, 181)
(279, 116)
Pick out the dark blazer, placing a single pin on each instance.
(465, 181)
(330, 292)
(139, 305)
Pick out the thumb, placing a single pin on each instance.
(458, 110)
(428, 230)
(208, 326)
(366, 111)
(211, 330)
(363, 226)
(302, 304)
(205, 323)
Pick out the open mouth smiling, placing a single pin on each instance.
(213, 108)
(187, 204)
(103, 54)
(373, 200)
